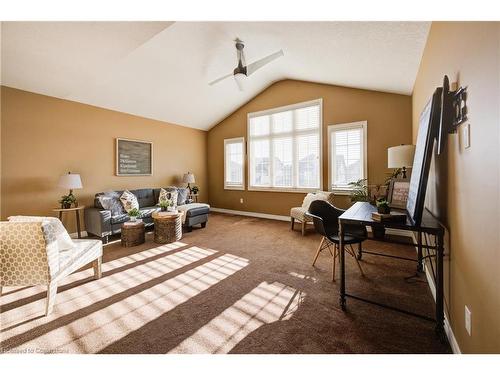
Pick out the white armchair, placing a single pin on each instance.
(300, 213)
(36, 251)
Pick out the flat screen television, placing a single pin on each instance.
(429, 124)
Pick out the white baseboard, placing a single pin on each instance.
(75, 235)
(251, 214)
(447, 327)
(397, 232)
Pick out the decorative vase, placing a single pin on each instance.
(163, 209)
(133, 218)
(66, 205)
(383, 209)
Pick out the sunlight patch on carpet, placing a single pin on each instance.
(266, 304)
(91, 316)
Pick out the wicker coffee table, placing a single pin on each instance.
(133, 234)
(168, 226)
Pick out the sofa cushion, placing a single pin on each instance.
(145, 197)
(193, 209)
(120, 218)
(148, 211)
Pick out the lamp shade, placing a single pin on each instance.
(70, 181)
(400, 156)
(188, 178)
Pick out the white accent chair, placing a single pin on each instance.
(37, 252)
(300, 213)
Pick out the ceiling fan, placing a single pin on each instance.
(242, 71)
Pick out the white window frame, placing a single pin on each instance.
(230, 141)
(320, 131)
(351, 125)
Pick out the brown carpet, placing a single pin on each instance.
(241, 285)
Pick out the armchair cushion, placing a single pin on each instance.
(84, 252)
(300, 213)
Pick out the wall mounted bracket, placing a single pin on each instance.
(453, 111)
(455, 107)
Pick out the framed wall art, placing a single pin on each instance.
(133, 157)
(398, 193)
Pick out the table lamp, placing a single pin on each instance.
(70, 181)
(400, 157)
(188, 179)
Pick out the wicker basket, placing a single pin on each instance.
(133, 234)
(168, 227)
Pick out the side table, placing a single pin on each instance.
(168, 226)
(133, 233)
(76, 210)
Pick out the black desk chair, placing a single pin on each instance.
(325, 218)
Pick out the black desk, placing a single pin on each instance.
(361, 213)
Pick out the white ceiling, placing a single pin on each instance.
(160, 70)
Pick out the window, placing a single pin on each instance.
(234, 163)
(285, 148)
(347, 154)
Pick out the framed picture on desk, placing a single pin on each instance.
(398, 193)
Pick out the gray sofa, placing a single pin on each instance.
(102, 222)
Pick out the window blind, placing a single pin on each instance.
(234, 159)
(285, 148)
(347, 159)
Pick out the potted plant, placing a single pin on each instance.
(165, 204)
(383, 206)
(194, 190)
(134, 214)
(67, 200)
(359, 191)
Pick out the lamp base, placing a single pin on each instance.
(403, 172)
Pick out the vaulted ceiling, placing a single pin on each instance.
(161, 70)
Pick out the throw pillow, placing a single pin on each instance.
(64, 241)
(183, 194)
(110, 200)
(129, 201)
(309, 198)
(170, 195)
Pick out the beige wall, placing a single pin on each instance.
(389, 124)
(44, 137)
(464, 183)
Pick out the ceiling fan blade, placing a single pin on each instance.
(220, 79)
(239, 83)
(251, 68)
